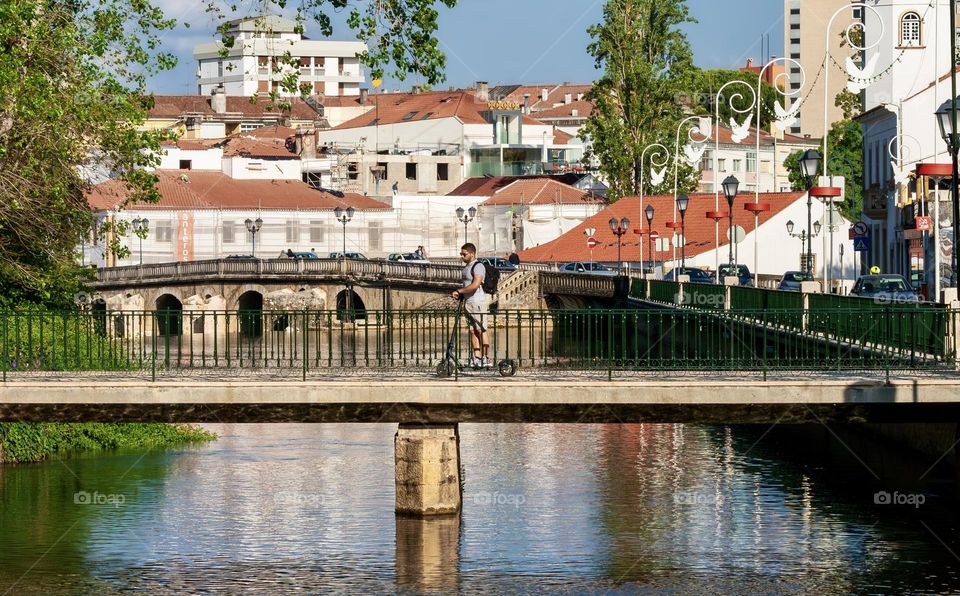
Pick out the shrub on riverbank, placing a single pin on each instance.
(30, 442)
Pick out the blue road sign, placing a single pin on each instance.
(861, 243)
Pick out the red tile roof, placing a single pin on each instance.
(560, 137)
(176, 106)
(208, 189)
(397, 108)
(583, 108)
(486, 186)
(700, 230)
(555, 93)
(726, 137)
(540, 191)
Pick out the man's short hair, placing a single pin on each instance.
(469, 247)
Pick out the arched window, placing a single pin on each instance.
(910, 30)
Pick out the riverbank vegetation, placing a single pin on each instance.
(22, 442)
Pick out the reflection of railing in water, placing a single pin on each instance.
(575, 340)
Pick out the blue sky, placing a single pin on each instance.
(521, 41)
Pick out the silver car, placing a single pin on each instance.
(885, 288)
(587, 268)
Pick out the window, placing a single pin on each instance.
(706, 162)
(185, 164)
(751, 162)
(427, 115)
(449, 234)
(353, 170)
(722, 165)
(293, 231)
(164, 231)
(411, 171)
(738, 165)
(374, 235)
(910, 30)
(255, 165)
(317, 232)
(228, 232)
(409, 116)
(443, 171)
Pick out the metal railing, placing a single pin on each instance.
(144, 343)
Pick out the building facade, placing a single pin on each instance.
(742, 160)
(254, 63)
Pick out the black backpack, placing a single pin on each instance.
(491, 278)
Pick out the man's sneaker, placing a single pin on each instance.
(476, 362)
(487, 363)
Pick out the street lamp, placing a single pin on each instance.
(140, 227)
(343, 217)
(730, 188)
(947, 118)
(682, 202)
(804, 238)
(466, 217)
(809, 166)
(619, 228)
(649, 213)
(253, 226)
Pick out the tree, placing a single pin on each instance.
(647, 66)
(706, 84)
(845, 157)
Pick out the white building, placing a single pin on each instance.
(914, 58)
(253, 65)
(740, 160)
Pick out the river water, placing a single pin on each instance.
(547, 508)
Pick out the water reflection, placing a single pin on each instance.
(546, 507)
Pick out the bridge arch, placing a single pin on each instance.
(169, 312)
(350, 306)
(250, 307)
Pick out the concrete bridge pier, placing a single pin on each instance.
(427, 469)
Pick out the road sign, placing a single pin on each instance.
(591, 242)
(924, 223)
(860, 229)
(861, 243)
(654, 235)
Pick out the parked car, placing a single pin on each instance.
(406, 257)
(350, 255)
(891, 288)
(791, 280)
(587, 268)
(498, 263)
(698, 276)
(309, 254)
(741, 272)
(240, 257)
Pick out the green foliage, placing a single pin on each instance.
(400, 36)
(28, 442)
(707, 83)
(647, 66)
(72, 96)
(34, 338)
(845, 155)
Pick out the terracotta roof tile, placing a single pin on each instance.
(540, 191)
(700, 230)
(208, 189)
(397, 108)
(486, 186)
(583, 108)
(176, 106)
(560, 137)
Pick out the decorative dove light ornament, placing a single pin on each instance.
(693, 153)
(859, 78)
(785, 118)
(740, 131)
(900, 176)
(657, 178)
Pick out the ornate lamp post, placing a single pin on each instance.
(664, 158)
(619, 228)
(343, 217)
(253, 226)
(730, 188)
(809, 166)
(141, 226)
(804, 238)
(649, 214)
(947, 118)
(741, 131)
(682, 202)
(466, 217)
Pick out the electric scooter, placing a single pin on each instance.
(451, 364)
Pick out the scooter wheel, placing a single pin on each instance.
(507, 368)
(445, 369)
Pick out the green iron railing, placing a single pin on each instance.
(330, 341)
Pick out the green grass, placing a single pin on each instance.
(31, 442)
